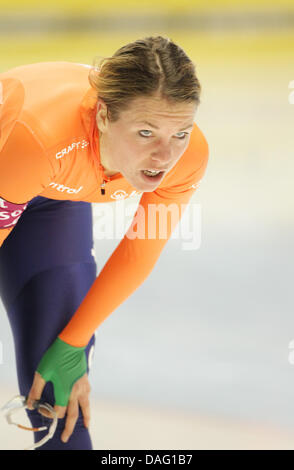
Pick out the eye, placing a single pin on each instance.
(184, 134)
(144, 135)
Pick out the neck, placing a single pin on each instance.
(103, 157)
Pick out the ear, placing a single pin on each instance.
(101, 115)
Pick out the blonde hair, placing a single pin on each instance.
(150, 66)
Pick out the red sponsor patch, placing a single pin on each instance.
(10, 213)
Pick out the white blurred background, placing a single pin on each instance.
(199, 357)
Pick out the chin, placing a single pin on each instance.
(147, 190)
(143, 187)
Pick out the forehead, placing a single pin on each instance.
(143, 108)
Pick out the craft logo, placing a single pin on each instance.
(75, 145)
(10, 213)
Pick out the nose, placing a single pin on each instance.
(163, 156)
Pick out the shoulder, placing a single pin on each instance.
(52, 95)
(47, 71)
(12, 97)
(48, 82)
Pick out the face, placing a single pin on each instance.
(151, 134)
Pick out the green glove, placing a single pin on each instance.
(63, 365)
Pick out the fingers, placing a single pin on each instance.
(85, 407)
(79, 397)
(36, 390)
(60, 411)
(71, 419)
(73, 414)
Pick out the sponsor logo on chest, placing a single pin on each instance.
(122, 194)
(74, 146)
(65, 189)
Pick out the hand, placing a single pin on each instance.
(79, 396)
(66, 367)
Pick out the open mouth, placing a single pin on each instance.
(152, 176)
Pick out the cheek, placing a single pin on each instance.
(130, 154)
(178, 152)
(119, 150)
(183, 148)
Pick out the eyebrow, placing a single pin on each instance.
(155, 127)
